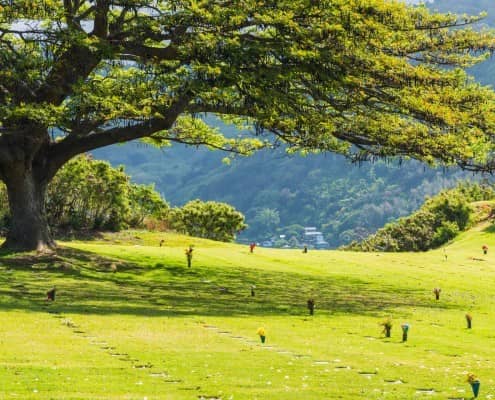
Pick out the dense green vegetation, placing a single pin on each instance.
(131, 321)
(439, 220)
(90, 195)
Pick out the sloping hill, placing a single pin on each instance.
(131, 321)
(440, 219)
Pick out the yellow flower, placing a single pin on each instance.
(261, 331)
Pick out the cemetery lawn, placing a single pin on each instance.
(131, 321)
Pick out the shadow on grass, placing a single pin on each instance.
(490, 229)
(89, 284)
(86, 235)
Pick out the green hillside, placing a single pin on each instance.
(346, 201)
(131, 321)
(439, 220)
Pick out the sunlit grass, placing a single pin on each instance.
(131, 321)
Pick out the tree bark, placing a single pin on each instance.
(29, 227)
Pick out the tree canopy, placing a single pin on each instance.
(372, 78)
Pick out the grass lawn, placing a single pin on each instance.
(131, 321)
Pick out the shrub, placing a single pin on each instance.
(445, 232)
(439, 220)
(210, 220)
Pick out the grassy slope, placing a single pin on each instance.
(158, 330)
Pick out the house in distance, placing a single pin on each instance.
(314, 239)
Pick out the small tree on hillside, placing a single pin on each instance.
(146, 202)
(210, 219)
(89, 194)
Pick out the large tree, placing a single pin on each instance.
(362, 76)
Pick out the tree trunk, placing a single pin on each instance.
(29, 227)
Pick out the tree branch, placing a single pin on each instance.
(62, 151)
(225, 109)
(100, 28)
(76, 63)
(84, 14)
(146, 53)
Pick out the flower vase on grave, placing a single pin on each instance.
(475, 385)
(189, 255)
(387, 327)
(405, 329)
(50, 295)
(311, 306)
(261, 333)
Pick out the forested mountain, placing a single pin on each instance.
(279, 194)
(484, 72)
